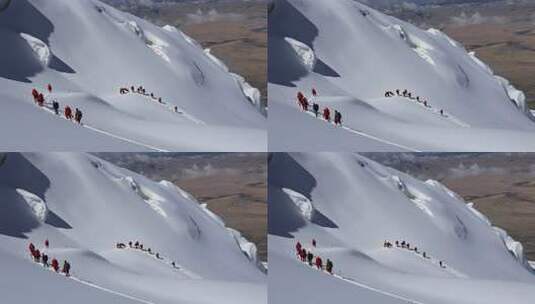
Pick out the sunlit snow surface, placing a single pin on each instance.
(358, 205)
(87, 51)
(352, 55)
(84, 206)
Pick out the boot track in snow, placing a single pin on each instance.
(368, 287)
(108, 133)
(164, 104)
(385, 141)
(93, 285)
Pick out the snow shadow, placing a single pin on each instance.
(323, 69)
(300, 28)
(17, 172)
(322, 220)
(283, 216)
(17, 60)
(285, 172)
(283, 65)
(59, 65)
(22, 17)
(16, 218)
(54, 220)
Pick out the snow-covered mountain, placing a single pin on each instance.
(353, 55)
(351, 205)
(84, 206)
(87, 51)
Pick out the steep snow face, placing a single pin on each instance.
(353, 54)
(358, 204)
(88, 51)
(303, 52)
(36, 204)
(39, 47)
(85, 205)
(303, 204)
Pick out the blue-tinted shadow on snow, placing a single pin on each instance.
(54, 220)
(323, 69)
(284, 66)
(16, 217)
(284, 216)
(322, 220)
(286, 172)
(59, 65)
(301, 28)
(17, 60)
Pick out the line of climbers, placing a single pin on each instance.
(405, 93)
(40, 100)
(407, 245)
(139, 246)
(141, 90)
(304, 104)
(307, 256)
(41, 257)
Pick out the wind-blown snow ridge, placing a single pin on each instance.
(251, 93)
(36, 204)
(41, 50)
(248, 248)
(303, 52)
(301, 202)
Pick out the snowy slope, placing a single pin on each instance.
(353, 54)
(358, 204)
(84, 206)
(88, 50)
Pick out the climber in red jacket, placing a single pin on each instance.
(319, 263)
(327, 114)
(55, 265)
(68, 112)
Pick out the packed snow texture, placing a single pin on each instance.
(87, 51)
(352, 55)
(84, 206)
(39, 48)
(303, 52)
(36, 204)
(360, 204)
(301, 202)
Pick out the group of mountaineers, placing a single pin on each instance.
(39, 256)
(139, 246)
(407, 245)
(304, 104)
(40, 100)
(142, 91)
(306, 256)
(405, 93)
